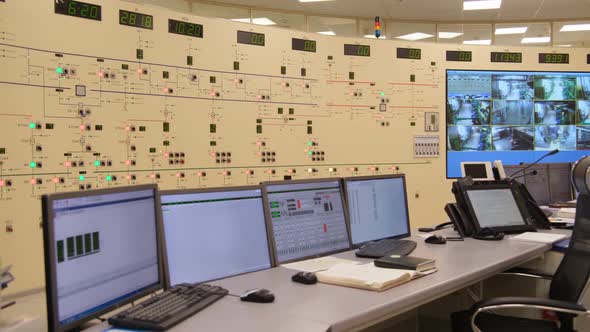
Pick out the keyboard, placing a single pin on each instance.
(168, 308)
(387, 247)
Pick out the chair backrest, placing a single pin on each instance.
(572, 274)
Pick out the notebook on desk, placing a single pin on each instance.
(367, 276)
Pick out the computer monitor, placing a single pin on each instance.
(479, 171)
(307, 218)
(496, 206)
(101, 252)
(214, 233)
(377, 208)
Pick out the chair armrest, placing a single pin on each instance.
(531, 273)
(525, 302)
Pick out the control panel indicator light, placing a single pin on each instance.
(382, 94)
(97, 163)
(310, 153)
(100, 74)
(2, 183)
(33, 181)
(109, 178)
(128, 177)
(177, 175)
(153, 176)
(32, 125)
(310, 143)
(82, 177)
(32, 164)
(59, 70)
(55, 180)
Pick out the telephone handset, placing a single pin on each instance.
(462, 224)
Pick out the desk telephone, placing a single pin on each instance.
(478, 203)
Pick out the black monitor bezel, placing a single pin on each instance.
(520, 203)
(211, 190)
(269, 219)
(372, 178)
(50, 259)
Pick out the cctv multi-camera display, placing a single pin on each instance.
(516, 116)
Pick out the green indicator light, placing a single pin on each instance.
(33, 164)
(59, 70)
(382, 94)
(82, 177)
(310, 143)
(310, 153)
(109, 178)
(96, 163)
(32, 125)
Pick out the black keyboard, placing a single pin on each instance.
(168, 308)
(386, 247)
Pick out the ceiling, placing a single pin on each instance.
(431, 10)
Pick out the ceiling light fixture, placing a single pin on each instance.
(482, 4)
(511, 31)
(478, 42)
(449, 35)
(257, 21)
(415, 36)
(575, 27)
(535, 40)
(327, 33)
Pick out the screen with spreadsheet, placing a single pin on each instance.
(308, 219)
(214, 234)
(377, 208)
(106, 251)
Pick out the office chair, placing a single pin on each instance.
(568, 285)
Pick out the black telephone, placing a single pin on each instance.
(462, 213)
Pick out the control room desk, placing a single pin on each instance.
(321, 307)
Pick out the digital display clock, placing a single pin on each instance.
(303, 45)
(137, 20)
(251, 38)
(463, 56)
(409, 53)
(357, 50)
(79, 9)
(511, 57)
(185, 28)
(562, 58)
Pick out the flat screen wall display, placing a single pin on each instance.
(516, 116)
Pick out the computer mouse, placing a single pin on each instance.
(307, 278)
(260, 295)
(436, 239)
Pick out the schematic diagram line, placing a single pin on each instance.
(159, 64)
(415, 84)
(34, 85)
(254, 167)
(354, 82)
(204, 98)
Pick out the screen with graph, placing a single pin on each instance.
(516, 116)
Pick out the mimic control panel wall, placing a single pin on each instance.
(98, 94)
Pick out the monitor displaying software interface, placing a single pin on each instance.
(214, 234)
(106, 251)
(495, 208)
(377, 209)
(307, 218)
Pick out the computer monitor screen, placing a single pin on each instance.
(516, 116)
(101, 251)
(495, 208)
(377, 208)
(307, 217)
(214, 234)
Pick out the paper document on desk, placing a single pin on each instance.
(318, 264)
(539, 237)
(367, 276)
(565, 213)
